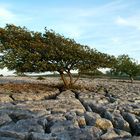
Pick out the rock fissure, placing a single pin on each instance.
(11, 96)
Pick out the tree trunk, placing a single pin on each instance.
(64, 79)
(131, 78)
(71, 78)
(71, 83)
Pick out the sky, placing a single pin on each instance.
(110, 26)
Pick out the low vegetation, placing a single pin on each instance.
(24, 87)
(126, 66)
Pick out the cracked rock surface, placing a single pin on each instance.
(101, 109)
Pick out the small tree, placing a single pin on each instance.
(26, 51)
(126, 65)
(64, 55)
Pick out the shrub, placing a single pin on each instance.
(40, 78)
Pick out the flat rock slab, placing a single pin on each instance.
(60, 105)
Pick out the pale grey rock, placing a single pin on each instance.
(37, 107)
(6, 105)
(131, 119)
(135, 111)
(64, 135)
(58, 110)
(17, 114)
(8, 138)
(81, 121)
(43, 122)
(86, 95)
(102, 101)
(103, 124)
(87, 102)
(66, 94)
(91, 118)
(81, 134)
(123, 134)
(71, 105)
(41, 136)
(71, 130)
(13, 134)
(70, 115)
(60, 126)
(55, 117)
(120, 123)
(97, 132)
(98, 109)
(62, 105)
(110, 135)
(108, 115)
(28, 125)
(4, 119)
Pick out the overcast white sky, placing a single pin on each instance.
(110, 26)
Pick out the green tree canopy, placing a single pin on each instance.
(126, 65)
(27, 51)
(21, 49)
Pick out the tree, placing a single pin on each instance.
(126, 65)
(27, 51)
(65, 54)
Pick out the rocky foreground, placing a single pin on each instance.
(99, 110)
